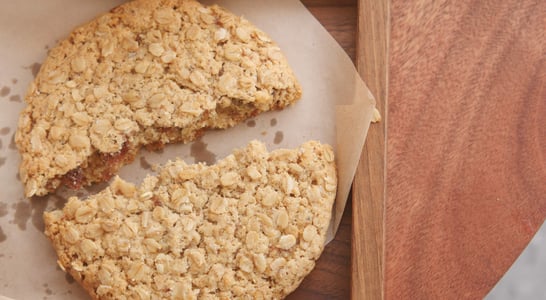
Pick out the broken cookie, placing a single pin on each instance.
(250, 226)
(147, 73)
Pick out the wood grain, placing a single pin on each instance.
(368, 186)
(466, 143)
(330, 280)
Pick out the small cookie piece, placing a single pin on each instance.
(251, 225)
(148, 73)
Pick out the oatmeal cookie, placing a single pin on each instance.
(148, 73)
(250, 226)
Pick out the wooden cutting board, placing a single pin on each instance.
(368, 193)
(464, 181)
(466, 146)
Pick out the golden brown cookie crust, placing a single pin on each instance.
(148, 72)
(251, 225)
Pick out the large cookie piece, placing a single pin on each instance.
(249, 227)
(149, 72)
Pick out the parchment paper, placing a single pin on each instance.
(336, 108)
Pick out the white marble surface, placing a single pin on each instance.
(526, 279)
